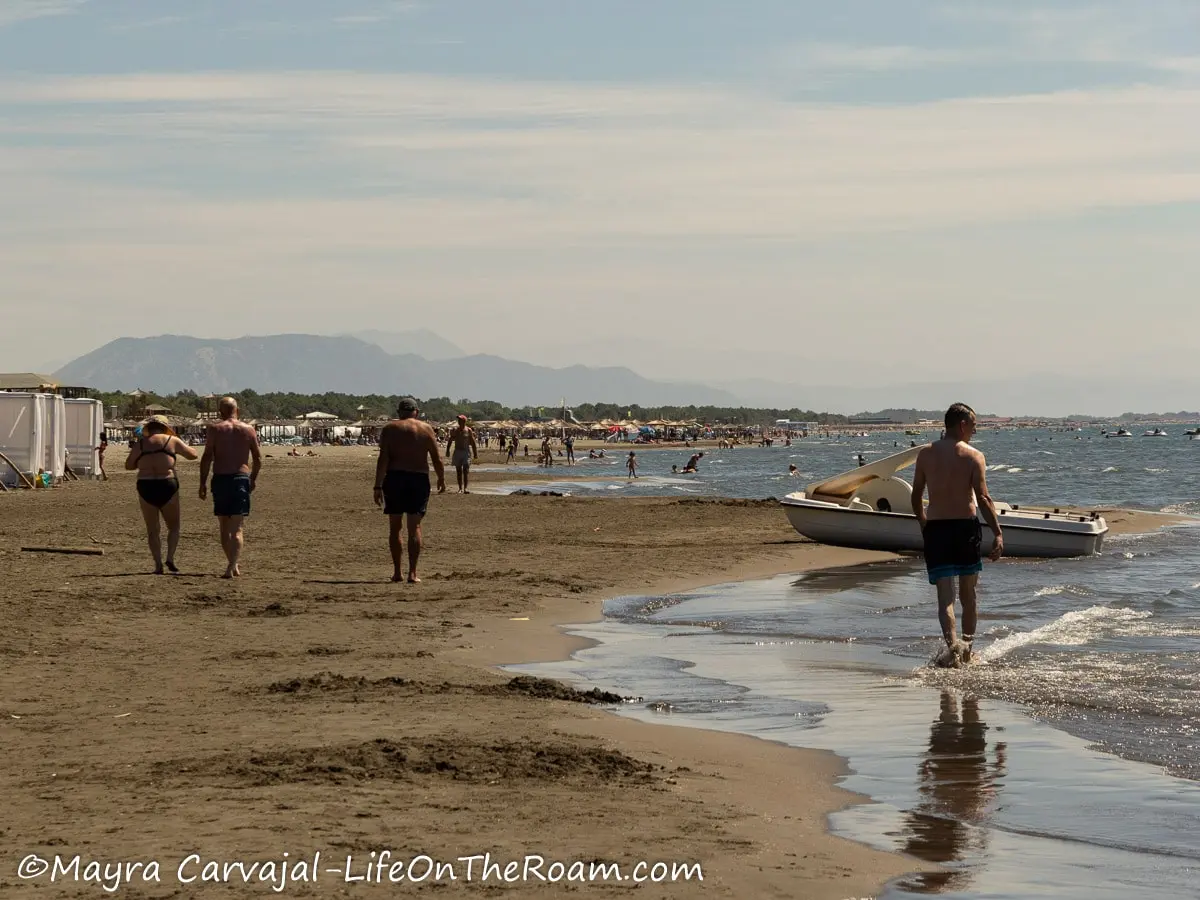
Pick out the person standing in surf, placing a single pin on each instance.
(955, 474)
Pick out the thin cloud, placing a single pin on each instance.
(14, 11)
(147, 24)
(393, 160)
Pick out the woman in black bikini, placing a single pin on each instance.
(153, 456)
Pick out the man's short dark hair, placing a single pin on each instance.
(958, 413)
(407, 405)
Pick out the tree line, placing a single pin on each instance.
(352, 407)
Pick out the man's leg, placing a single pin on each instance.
(395, 523)
(458, 471)
(231, 540)
(414, 546)
(466, 478)
(153, 536)
(945, 597)
(970, 611)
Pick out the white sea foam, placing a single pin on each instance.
(1071, 629)
(1110, 469)
(1051, 591)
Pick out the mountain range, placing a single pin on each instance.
(426, 365)
(308, 364)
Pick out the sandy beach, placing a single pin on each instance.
(311, 705)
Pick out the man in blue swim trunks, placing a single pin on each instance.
(955, 474)
(228, 449)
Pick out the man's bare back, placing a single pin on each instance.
(406, 445)
(951, 471)
(233, 445)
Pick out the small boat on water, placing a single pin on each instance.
(1120, 432)
(869, 508)
(1157, 432)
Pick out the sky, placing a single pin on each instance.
(856, 193)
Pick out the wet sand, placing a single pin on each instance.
(313, 705)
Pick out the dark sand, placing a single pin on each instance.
(313, 705)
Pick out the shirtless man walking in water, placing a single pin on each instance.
(406, 446)
(462, 441)
(955, 474)
(228, 449)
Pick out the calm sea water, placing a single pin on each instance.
(1067, 763)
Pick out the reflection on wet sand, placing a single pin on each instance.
(862, 577)
(957, 786)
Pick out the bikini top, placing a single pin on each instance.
(161, 449)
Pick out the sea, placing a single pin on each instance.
(1065, 763)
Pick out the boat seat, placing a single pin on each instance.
(885, 495)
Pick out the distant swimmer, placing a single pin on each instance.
(694, 462)
(462, 441)
(231, 452)
(955, 474)
(792, 470)
(406, 447)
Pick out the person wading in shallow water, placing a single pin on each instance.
(955, 474)
(228, 450)
(406, 446)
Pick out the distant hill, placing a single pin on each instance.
(419, 342)
(306, 363)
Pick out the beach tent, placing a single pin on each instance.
(22, 423)
(55, 435)
(84, 422)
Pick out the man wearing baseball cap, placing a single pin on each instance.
(406, 446)
(462, 440)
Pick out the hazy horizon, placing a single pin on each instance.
(845, 195)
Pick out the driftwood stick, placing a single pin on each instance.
(78, 551)
(20, 474)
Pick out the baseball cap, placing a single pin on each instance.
(461, 417)
(407, 404)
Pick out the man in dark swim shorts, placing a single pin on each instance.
(955, 474)
(406, 446)
(405, 493)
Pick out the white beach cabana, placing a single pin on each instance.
(23, 423)
(84, 422)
